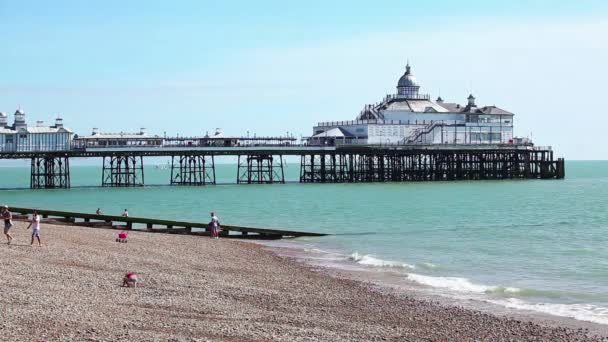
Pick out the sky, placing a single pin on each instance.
(272, 67)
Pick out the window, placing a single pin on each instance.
(494, 137)
(360, 130)
(23, 136)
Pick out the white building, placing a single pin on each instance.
(409, 117)
(18, 137)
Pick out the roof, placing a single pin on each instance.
(119, 136)
(47, 129)
(415, 106)
(457, 108)
(452, 107)
(494, 110)
(336, 132)
(35, 130)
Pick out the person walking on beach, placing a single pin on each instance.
(8, 223)
(98, 211)
(214, 226)
(125, 213)
(35, 225)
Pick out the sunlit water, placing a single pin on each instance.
(535, 244)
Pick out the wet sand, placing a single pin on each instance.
(198, 289)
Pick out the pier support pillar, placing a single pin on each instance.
(260, 169)
(192, 170)
(327, 168)
(119, 171)
(50, 173)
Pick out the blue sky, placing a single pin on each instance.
(273, 66)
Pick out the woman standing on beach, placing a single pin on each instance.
(8, 223)
(214, 226)
(35, 224)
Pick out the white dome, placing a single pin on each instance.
(408, 79)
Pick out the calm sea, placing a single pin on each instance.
(539, 245)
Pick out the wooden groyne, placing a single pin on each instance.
(155, 225)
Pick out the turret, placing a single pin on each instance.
(59, 122)
(20, 119)
(471, 100)
(3, 120)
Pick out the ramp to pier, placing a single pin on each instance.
(155, 225)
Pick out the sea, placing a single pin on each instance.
(539, 245)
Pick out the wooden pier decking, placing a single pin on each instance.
(155, 225)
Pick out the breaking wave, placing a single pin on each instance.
(459, 284)
(581, 312)
(370, 260)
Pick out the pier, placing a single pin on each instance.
(156, 225)
(194, 165)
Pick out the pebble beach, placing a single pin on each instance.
(198, 289)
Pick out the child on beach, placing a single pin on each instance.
(35, 225)
(130, 280)
(8, 223)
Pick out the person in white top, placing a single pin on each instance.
(125, 213)
(214, 225)
(35, 225)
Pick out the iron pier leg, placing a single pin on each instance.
(50, 173)
(122, 171)
(260, 169)
(192, 170)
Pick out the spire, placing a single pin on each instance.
(407, 67)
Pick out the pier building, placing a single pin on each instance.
(407, 137)
(19, 137)
(411, 117)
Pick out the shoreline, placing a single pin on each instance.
(195, 288)
(386, 281)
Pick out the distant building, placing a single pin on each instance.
(411, 117)
(19, 137)
(122, 139)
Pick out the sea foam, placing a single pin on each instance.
(581, 312)
(459, 284)
(369, 260)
